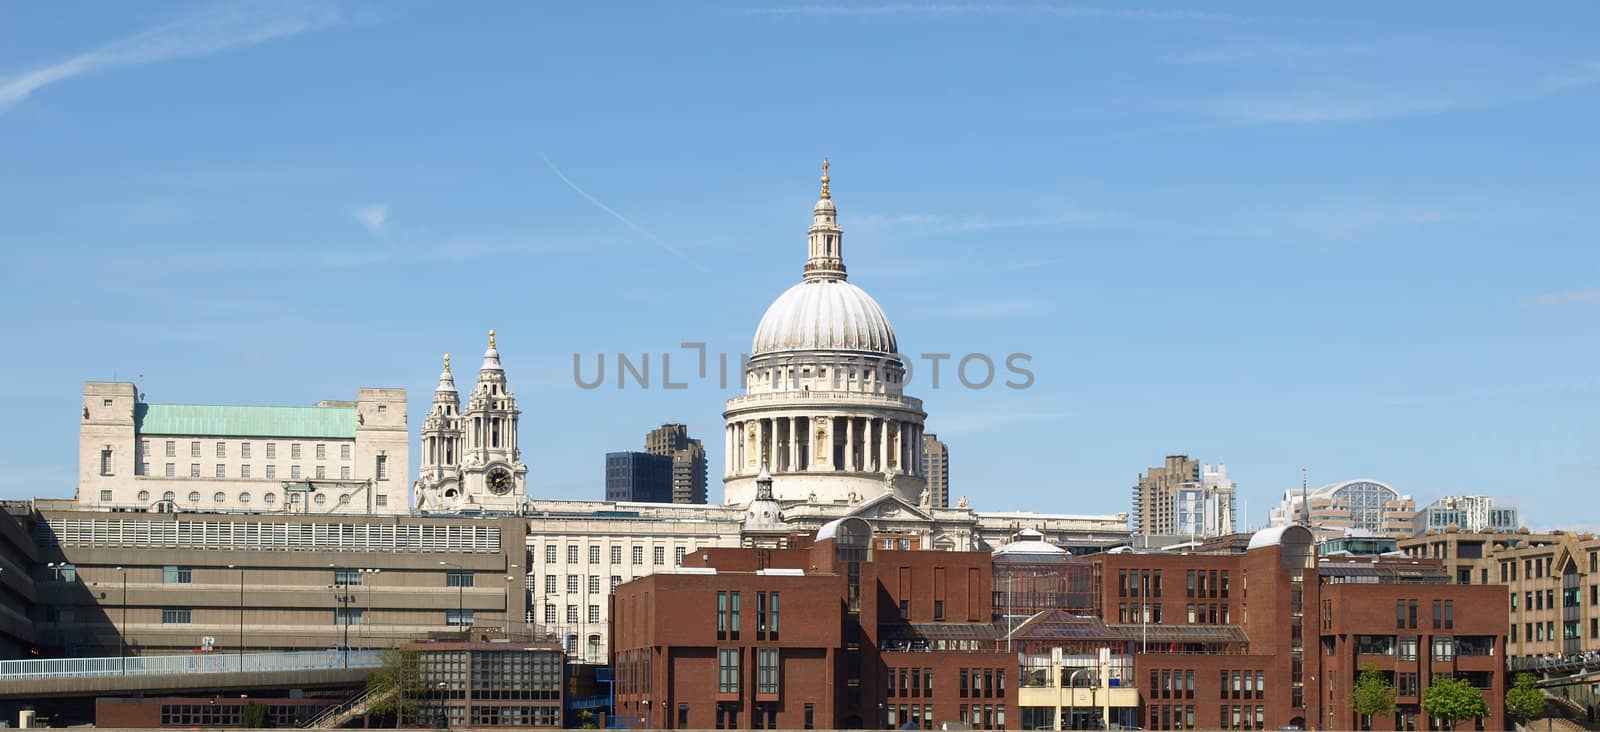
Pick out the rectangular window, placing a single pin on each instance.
(244, 470)
(1449, 614)
(322, 451)
(347, 577)
(322, 472)
(550, 554)
(616, 555)
(766, 671)
(594, 584)
(1444, 649)
(594, 554)
(272, 471)
(105, 462)
(294, 472)
(221, 470)
(458, 618)
(722, 615)
(381, 470)
(678, 554)
(638, 555)
(1408, 649)
(683, 716)
(194, 470)
(347, 616)
(344, 472)
(174, 575)
(222, 449)
(811, 716)
(1399, 613)
(572, 613)
(733, 615)
(572, 554)
(294, 451)
(594, 613)
(194, 448)
(172, 470)
(572, 582)
(727, 670)
(344, 452)
(458, 578)
(549, 584)
(938, 609)
(272, 450)
(615, 580)
(1438, 614)
(549, 613)
(105, 496)
(172, 448)
(175, 615)
(1411, 614)
(658, 556)
(244, 450)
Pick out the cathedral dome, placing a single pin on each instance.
(824, 315)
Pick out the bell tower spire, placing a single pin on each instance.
(826, 239)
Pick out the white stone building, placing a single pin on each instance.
(336, 457)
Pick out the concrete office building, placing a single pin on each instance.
(639, 477)
(18, 593)
(163, 583)
(334, 458)
(688, 461)
(936, 466)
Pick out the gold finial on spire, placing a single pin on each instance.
(491, 338)
(825, 193)
(447, 363)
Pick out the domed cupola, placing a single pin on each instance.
(824, 404)
(824, 312)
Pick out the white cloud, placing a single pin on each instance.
(373, 216)
(216, 29)
(969, 9)
(1570, 297)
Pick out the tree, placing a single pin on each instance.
(1449, 699)
(396, 685)
(1523, 701)
(255, 715)
(1372, 694)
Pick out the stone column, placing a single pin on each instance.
(883, 446)
(849, 444)
(772, 443)
(794, 444)
(727, 449)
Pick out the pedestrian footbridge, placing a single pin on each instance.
(39, 678)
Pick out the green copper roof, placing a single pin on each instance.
(214, 421)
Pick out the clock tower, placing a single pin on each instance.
(492, 475)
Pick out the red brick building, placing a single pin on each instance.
(830, 632)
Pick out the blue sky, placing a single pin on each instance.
(1355, 239)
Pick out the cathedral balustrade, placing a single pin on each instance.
(800, 399)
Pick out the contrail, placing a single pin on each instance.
(625, 220)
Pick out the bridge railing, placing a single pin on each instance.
(198, 663)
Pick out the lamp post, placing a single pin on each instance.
(461, 586)
(365, 614)
(241, 614)
(122, 634)
(1072, 699)
(341, 616)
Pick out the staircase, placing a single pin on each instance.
(1561, 713)
(338, 716)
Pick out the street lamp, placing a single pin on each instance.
(241, 614)
(461, 586)
(341, 580)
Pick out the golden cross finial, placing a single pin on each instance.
(447, 363)
(825, 193)
(491, 338)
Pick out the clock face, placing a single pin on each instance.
(499, 481)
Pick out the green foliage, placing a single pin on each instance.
(1523, 701)
(586, 720)
(1372, 694)
(255, 715)
(1451, 699)
(396, 684)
